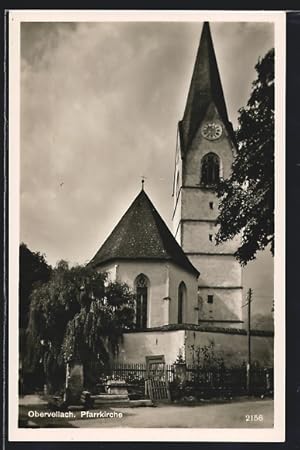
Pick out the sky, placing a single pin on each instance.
(100, 103)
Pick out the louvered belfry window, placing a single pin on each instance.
(210, 169)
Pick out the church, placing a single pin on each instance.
(188, 289)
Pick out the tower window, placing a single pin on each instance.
(211, 205)
(210, 169)
(210, 237)
(210, 299)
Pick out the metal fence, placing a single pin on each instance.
(220, 378)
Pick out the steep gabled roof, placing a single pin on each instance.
(205, 88)
(142, 234)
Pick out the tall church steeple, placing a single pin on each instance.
(205, 89)
(204, 154)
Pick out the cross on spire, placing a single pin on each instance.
(143, 181)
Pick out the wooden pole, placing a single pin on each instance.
(249, 299)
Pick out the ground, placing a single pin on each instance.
(238, 413)
(229, 415)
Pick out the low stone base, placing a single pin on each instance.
(108, 397)
(116, 387)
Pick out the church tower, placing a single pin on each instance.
(204, 154)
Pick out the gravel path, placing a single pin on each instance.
(229, 415)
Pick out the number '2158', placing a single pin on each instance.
(254, 418)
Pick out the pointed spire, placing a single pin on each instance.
(205, 88)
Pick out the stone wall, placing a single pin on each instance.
(233, 347)
(230, 344)
(136, 346)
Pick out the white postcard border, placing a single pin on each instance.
(276, 434)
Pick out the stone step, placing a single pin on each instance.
(109, 397)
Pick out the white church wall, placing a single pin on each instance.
(164, 279)
(200, 237)
(226, 305)
(177, 216)
(157, 274)
(232, 347)
(201, 198)
(177, 201)
(177, 275)
(200, 146)
(136, 346)
(199, 211)
(217, 270)
(111, 271)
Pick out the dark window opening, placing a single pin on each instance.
(210, 236)
(210, 169)
(211, 205)
(210, 299)
(181, 301)
(141, 301)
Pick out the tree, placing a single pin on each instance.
(33, 270)
(77, 315)
(247, 197)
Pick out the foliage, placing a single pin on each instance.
(76, 315)
(206, 356)
(247, 197)
(33, 270)
(52, 306)
(180, 358)
(95, 330)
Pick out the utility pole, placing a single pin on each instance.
(249, 300)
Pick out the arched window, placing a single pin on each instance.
(181, 301)
(142, 286)
(210, 169)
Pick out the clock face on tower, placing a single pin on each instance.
(211, 131)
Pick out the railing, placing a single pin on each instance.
(134, 372)
(221, 378)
